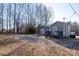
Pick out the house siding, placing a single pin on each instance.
(66, 30)
(57, 28)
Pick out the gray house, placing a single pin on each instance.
(61, 29)
(57, 29)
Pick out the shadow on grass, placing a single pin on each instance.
(7, 42)
(68, 43)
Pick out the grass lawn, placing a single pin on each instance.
(9, 45)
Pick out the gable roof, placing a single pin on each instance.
(58, 23)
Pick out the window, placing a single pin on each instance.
(55, 28)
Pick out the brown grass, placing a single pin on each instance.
(11, 46)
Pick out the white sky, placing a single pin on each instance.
(63, 10)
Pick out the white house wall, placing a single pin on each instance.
(64, 27)
(53, 30)
(43, 32)
(66, 30)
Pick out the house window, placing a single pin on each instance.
(42, 31)
(55, 33)
(49, 29)
(55, 28)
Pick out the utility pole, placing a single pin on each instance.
(64, 19)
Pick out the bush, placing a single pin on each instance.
(30, 30)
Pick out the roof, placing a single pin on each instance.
(59, 23)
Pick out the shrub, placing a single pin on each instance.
(30, 30)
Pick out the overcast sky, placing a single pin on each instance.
(64, 10)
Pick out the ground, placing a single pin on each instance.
(33, 45)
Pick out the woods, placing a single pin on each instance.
(18, 17)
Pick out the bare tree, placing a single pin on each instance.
(14, 16)
(9, 16)
(7, 20)
(21, 16)
(2, 15)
